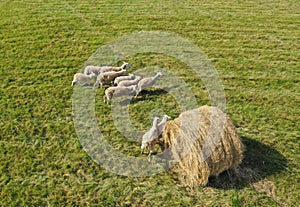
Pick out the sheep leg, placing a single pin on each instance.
(149, 156)
(96, 84)
(143, 147)
(136, 94)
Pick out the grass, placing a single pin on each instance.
(254, 45)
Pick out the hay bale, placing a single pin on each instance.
(204, 142)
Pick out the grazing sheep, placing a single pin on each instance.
(83, 78)
(121, 78)
(103, 69)
(104, 78)
(147, 83)
(162, 124)
(118, 91)
(130, 82)
(150, 138)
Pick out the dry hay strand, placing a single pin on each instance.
(204, 142)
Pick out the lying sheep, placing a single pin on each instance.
(121, 78)
(150, 138)
(83, 78)
(118, 91)
(147, 83)
(130, 82)
(104, 78)
(103, 69)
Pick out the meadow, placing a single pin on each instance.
(254, 46)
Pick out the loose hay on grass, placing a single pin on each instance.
(205, 143)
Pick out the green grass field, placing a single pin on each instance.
(254, 45)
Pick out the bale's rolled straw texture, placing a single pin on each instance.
(205, 142)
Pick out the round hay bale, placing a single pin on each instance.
(204, 142)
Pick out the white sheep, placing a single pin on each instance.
(92, 69)
(130, 82)
(105, 69)
(147, 82)
(108, 77)
(118, 91)
(121, 78)
(102, 69)
(150, 138)
(83, 78)
(162, 123)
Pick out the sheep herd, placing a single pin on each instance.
(123, 84)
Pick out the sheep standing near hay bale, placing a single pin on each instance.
(150, 138)
(162, 123)
(204, 142)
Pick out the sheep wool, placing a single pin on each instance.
(130, 82)
(118, 91)
(108, 77)
(122, 78)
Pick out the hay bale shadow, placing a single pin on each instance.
(260, 161)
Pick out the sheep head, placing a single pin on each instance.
(125, 65)
(168, 117)
(155, 120)
(159, 74)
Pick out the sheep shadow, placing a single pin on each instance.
(143, 95)
(150, 94)
(260, 161)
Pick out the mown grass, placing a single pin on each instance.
(254, 45)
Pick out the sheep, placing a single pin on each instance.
(80, 77)
(150, 138)
(147, 82)
(130, 82)
(162, 124)
(108, 77)
(103, 69)
(121, 78)
(118, 91)
(92, 69)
